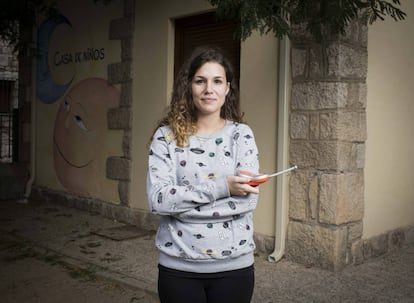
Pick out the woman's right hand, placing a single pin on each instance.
(238, 186)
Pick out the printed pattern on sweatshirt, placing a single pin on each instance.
(188, 187)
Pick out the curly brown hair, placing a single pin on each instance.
(181, 114)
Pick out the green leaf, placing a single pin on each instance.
(319, 16)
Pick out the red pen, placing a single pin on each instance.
(261, 178)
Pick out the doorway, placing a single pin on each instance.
(256, 63)
(206, 29)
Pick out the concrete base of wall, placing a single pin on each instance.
(381, 244)
(140, 218)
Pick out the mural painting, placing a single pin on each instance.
(47, 90)
(80, 131)
(79, 134)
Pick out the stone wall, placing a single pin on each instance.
(327, 142)
(119, 167)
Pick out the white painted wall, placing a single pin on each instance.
(389, 172)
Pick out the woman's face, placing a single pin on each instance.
(209, 89)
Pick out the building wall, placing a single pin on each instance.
(115, 175)
(389, 171)
(388, 204)
(258, 94)
(72, 98)
(145, 69)
(153, 75)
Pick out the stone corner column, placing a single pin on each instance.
(327, 142)
(120, 118)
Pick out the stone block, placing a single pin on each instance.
(313, 245)
(358, 155)
(321, 155)
(118, 168)
(126, 49)
(126, 144)
(341, 198)
(299, 126)
(316, 66)
(343, 125)
(313, 196)
(346, 61)
(328, 125)
(126, 94)
(121, 28)
(299, 60)
(355, 231)
(314, 95)
(351, 33)
(119, 72)
(314, 126)
(119, 118)
(307, 154)
(363, 34)
(298, 192)
(357, 95)
(300, 33)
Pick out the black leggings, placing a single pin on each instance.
(234, 286)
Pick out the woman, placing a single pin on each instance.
(205, 236)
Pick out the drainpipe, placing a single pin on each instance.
(281, 215)
(32, 164)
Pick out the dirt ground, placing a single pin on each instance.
(52, 253)
(30, 274)
(33, 274)
(385, 279)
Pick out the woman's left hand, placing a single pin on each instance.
(238, 186)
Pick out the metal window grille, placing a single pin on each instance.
(6, 120)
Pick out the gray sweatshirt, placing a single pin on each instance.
(202, 228)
